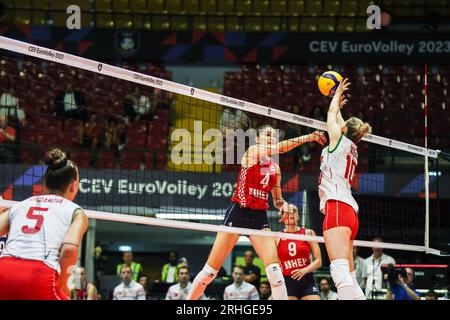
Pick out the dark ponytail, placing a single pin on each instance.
(60, 171)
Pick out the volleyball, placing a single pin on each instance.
(328, 83)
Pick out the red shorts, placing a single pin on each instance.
(28, 280)
(340, 214)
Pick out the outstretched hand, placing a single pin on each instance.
(342, 101)
(343, 86)
(319, 137)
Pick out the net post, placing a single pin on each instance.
(426, 164)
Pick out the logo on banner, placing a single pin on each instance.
(128, 43)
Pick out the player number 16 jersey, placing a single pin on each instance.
(337, 168)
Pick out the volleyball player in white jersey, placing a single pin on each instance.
(338, 164)
(44, 233)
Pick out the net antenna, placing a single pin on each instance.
(427, 179)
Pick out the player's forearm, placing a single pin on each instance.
(288, 145)
(316, 264)
(68, 259)
(340, 119)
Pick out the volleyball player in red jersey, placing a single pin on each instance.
(259, 175)
(44, 233)
(338, 164)
(296, 263)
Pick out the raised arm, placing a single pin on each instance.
(256, 152)
(335, 122)
(288, 145)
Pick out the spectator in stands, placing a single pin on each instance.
(325, 290)
(431, 295)
(144, 282)
(169, 272)
(137, 106)
(296, 109)
(9, 106)
(403, 288)
(128, 289)
(180, 290)
(359, 268)
(264, 290)
(71, 104)
(7, 139)
(100, 263)
(135, 267)
(88, 132)
(240, 289)
(114, 134)
(183, 262)
(372, 273)
(252, 273)
(82, 288)
(318, 113)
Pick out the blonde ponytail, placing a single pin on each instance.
(356, 129)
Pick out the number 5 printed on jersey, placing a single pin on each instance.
(32, 216)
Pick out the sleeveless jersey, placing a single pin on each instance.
(254, 185)
(37, 228)
(337, 169)
(293, 254)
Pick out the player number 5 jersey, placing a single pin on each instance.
(37, 229)
(337, 170)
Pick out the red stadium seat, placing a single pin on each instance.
(149, 160)
(161, 161)
(49, 138)
(136, 140)
(131, 159)
(81, 158)
(106, 160)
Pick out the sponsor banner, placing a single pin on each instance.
(154, 189)
(261, 47)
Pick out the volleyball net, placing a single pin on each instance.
(156, 152)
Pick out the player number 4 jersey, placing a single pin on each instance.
(337, 170)
(37, 228)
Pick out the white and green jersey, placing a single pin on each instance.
(337, 168)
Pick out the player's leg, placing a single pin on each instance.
(222, 247)
(337, 242)
(359, 294)
(266, 249)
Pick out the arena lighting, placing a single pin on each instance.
(125, 248)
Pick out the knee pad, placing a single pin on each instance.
(274, 275)
(340, 272)
(207, 275)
